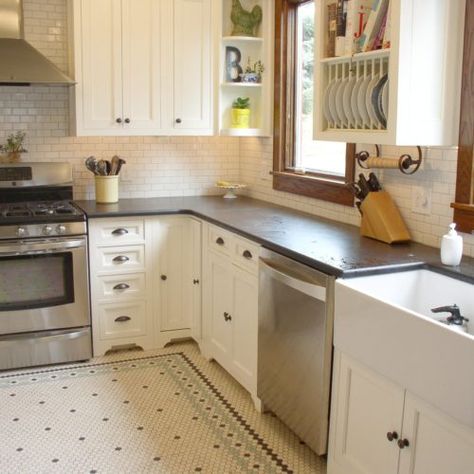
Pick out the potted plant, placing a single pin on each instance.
(13, 147)
(253, 73)
(241, 112)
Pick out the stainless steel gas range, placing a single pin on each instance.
(44, 306)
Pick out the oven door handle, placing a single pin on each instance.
(40, 248)
(50, 336)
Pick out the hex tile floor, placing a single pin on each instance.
(163, 411)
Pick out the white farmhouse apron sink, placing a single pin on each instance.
(385, 321)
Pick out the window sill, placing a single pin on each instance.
(311, 186)
(464, 217)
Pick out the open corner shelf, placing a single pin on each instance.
(250, 50)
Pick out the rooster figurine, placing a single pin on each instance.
(245, 23)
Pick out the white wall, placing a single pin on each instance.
(156, 166)
(165, 166)
(437, 175)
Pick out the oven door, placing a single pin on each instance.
(43, 285)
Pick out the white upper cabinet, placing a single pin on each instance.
(191, 60)
(143, 67)
(405, 94)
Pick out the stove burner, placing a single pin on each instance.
(40, 209)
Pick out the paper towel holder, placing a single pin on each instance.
(405, 163)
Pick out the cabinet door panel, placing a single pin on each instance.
(173, 242)
(192, 64)
(245, 327)
(220, 282)
(367, 407)
(141, 60)
(438, 444)
(101, 78)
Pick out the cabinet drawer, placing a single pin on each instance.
(120, 286)
(119, 259)
(117, 232)
(121, 320)
(246, 255)
(220, 240)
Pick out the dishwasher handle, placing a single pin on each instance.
(293, 279)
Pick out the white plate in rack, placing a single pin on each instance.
(326, 109)
(361, 102)
(355, 109)
(332, 102)
(339, 102)
(368, 101)
(385, 99)
(346, 101)
(377, 101)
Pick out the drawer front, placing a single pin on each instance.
(120, 259)
(121, 320)
(117, 232)
(246, 255)
(220, 240)
(131, 285)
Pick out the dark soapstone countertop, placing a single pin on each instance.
(327, 245)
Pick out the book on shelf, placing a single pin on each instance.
(357, 14)
(341, 15)
(373, 25)
(332, 28)
(378, 41)
(386, 33)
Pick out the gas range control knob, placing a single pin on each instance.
(61, 229)
(47, 229)
(21, 232)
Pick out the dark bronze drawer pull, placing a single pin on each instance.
(227, 317)
(391, 435)
(121, 286)
(122, 319)
(120, 259)
(220, 241)
(120, 231)
(403, 443)
(164, 277)
(247, 254)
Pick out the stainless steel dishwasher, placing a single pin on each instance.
(295, 328)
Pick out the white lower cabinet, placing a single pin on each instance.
(378, 427)
(230, 305)
(145, 286)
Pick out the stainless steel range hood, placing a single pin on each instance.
(20, 63)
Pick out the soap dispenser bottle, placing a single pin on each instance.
(451, 247)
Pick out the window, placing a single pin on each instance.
(302, 165)
(464, 205)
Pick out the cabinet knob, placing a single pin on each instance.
(227, 317)
(220, 241)
(247, 254)
(118, 120)
(121, 286)
(120, 259)
(391, 435)
(120, 231)
(127, 120)
(403, 443)
(164, 277)
(195, 282)
(178, 120)
(122, 319)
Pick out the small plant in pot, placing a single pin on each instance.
(13, 147)
(253, 73)
(241, 112)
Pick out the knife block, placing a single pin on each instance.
(381, 219)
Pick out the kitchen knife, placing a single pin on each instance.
(374, 183)
(363, 185)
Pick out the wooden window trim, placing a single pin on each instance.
(324, 187)
(464, 200)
